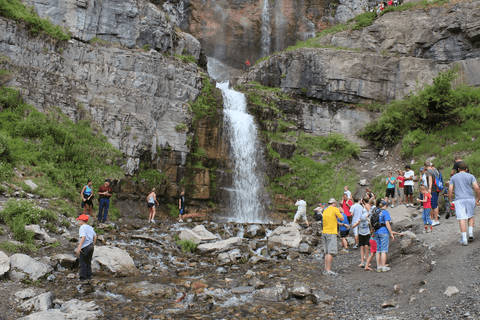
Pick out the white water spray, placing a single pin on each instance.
(266, 30)
(241, 126)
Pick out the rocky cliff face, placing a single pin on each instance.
(233, 31)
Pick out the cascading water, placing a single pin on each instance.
(245, 196)
(266, 30)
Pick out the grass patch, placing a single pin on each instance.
(181, 127)
(15, 248)
(99, 231)
(14, 9)
(18, 213)
(206, 104)
(146, 47)
(152, 176)
(187, 245)
(186, 58)
(66, 223)
(99, 41)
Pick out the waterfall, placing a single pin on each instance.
(266, 30)
(245, 199)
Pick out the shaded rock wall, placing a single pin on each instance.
(231, 31)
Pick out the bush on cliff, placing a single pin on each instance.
(58, 155)
(14, 9)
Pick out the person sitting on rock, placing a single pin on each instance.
(85, 248)
(329, 234)
(301, 211)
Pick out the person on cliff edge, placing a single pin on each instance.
(105, 192)
(85, 248)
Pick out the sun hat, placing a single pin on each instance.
(332, 200)
(83, 217)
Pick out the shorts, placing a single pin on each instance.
(382, 240)
(464, 209)
(434, 200)
(400, 190)
(88, 202)
(373, 246)
(408, 190)
(390, 193)
(355, 231)
(350, 220)
(151, 204)
(329, 243)
(343, 234)
(301, 214)
(363, 240)
(426, 217)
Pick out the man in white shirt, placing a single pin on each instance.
(301, 211)
(86, 244)
(356, 211)
(408, 185)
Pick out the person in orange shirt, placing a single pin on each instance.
(329, 234)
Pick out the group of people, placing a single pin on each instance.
(104, 192)
(369, 221)
(382, 5)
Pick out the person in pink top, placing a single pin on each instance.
(390, 3)
(346, 204)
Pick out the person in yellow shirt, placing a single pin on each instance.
(329, 234)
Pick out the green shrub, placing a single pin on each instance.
(99, 41)
(99, 231)
(14, 248)
(18, 213)
(206, 104)
(152, 176)
(187, 245)
(181, 127)
(66, 223)
(173, 210)
(186, 58)
(364, 20)
(14, 9)
(51, 227)
(146, 47)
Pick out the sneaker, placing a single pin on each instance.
(470, 238)
(180, 220)
(391, 206)
(355, 246)
(344, 250)
(464, 243)
(435, 223)
(330, 273)
(153, 221)
(385, 269)
(379, 269)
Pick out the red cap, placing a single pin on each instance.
(83, 217)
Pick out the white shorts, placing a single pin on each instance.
(465, 208)
(301, 214)
(355, 231)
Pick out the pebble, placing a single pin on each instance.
(451, 290)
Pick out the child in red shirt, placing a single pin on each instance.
(427, 206)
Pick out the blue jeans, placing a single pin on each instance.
(382, 242)
(104, 204)
(85, 262)
(426, 217)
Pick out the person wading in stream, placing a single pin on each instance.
(329, 234)
(151, 200)
(86, 244)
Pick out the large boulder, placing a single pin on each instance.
(113, 260)
(40, 234)
(197, 234)
(4, 263)
(65, 260)
(220, 245)
(410, 243)
(35, 269)
(41, 302)
(288, 236)
(72, 310)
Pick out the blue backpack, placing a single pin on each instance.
(438, 183)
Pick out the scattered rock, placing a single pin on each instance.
(4, 263)
(197, 234)
(221, 270)
(304, 248)
(409, 243)
(243, 289)
(31, 184)
(231, 256)
(451, 290)
(396, 289)
(40, 234)
(41, 302)
(147, 289)
(16, 276)
(65, 260)
(26, 294)
(220, 245)
(32, 267)
(256, 283)
(363, 182)
(320, 296)
(389, 304)
(113, 260)
(287, 236)
(301, 290)
(250, 273)
(253, 231)
(277, 293)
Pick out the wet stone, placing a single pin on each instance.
(243, 289)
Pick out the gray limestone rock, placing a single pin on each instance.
(301, 290)
(220, 245)
(277, 293)
(4, 263)
(285, 236)
(65, 260)
(451, 290)
(31, 184)
(230, 256)
(40, 234)
(197, 234)
(304, 248)
(26, 294)
(30, 266)
(243, 289)
(41, 302)
(16, 276)
(256, 283)
(113, 260)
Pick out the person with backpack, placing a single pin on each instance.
(434, 180)
(465, 201)
(380, 222)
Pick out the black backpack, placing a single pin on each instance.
(375, 219)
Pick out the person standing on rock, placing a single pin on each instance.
(356, 211)
(85, 248)
(408, 190)
(401, 186)
(329, 234)
(431, 175)
(151, 200)
(181, 206)
(390, 182)
(105, 192)
(465, 201)
(87, 197)
(301, 211)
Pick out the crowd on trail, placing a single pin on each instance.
(382, 5)
(368, 220)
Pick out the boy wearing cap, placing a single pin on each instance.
(329, 233)
(105, 192)
(84, 251)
